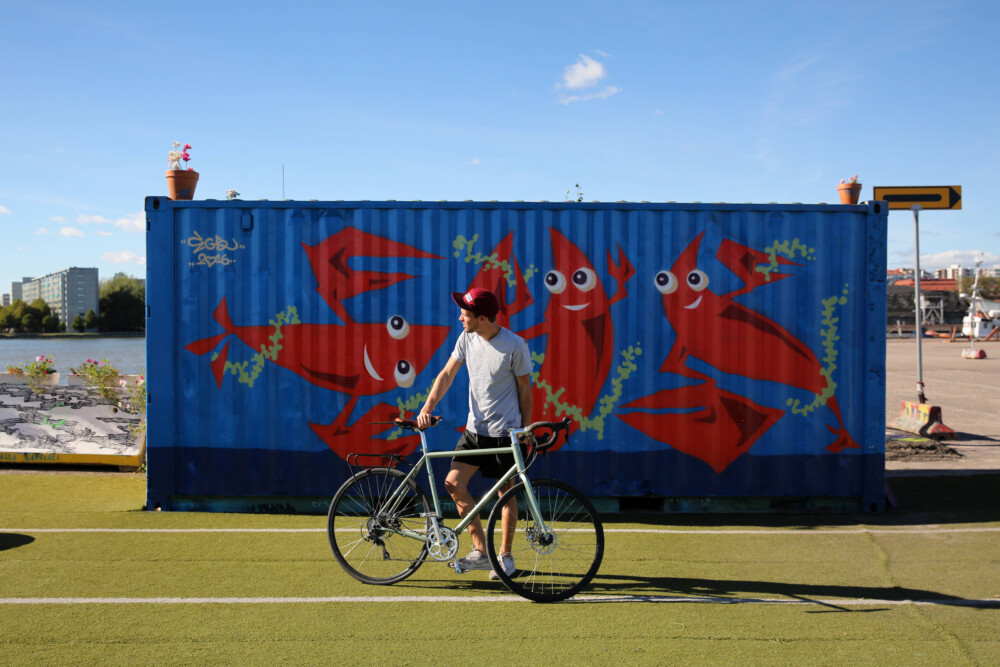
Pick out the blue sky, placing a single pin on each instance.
(663, 101)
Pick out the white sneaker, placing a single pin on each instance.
(507, 563)
(476, 560)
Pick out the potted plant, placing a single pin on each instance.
(100, 375)
(850, 190)
(180, 182)
(38, 373)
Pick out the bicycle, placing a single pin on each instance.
(382, 528)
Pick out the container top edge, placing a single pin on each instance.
(157, 202)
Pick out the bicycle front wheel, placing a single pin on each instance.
(551, 564)
(363, 523)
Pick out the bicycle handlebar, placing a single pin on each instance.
(549, 438)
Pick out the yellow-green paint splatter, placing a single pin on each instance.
(786, 249)
(267, 352)
(830, 338)
(606, 403)
(462, 244)
(412, 404)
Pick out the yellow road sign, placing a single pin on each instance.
(927, 196)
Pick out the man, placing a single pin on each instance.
(499, 365)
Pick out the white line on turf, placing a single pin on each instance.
(834, 602)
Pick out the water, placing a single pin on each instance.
(128, 355)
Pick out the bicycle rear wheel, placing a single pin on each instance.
(362, 527)
(560, 563)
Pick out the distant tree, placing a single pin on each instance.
(6, 320)
(90, 320)
(15, 312)
(30, 321)
(78, 324)
(123, 304)
(989, 288)
(50, 323)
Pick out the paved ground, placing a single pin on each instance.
(968, 392)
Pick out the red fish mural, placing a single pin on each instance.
(717, 426)
(496, 273)
(353, 358)
(580, 331)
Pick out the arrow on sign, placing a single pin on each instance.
(926, 196)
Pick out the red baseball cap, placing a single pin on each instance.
(478, 301)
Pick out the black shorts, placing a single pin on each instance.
(491, 465)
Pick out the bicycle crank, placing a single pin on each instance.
(446, 548)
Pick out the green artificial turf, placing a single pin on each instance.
(639, 610)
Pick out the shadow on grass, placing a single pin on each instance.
(738, 591)
(620, 589)
(14, 540)
(920, 500)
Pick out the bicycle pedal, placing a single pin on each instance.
(458, 568)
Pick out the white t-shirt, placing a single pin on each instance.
(493, 366)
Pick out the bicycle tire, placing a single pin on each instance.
(360, 529)
(549, 569)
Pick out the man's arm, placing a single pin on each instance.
(440, 387)
(524, 398)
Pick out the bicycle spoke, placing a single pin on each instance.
(556, 565)
(364, 523)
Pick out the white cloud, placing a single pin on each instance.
(602, 95)
(92, 219)
(474, 160)
(58, 218)
(584, 73)
(4, 210)
(41, 231)
(70, 231)
(133, 222)
(965, 258)
(581, 75)
(101, 232)
(123, 257)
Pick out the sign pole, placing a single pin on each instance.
(916, 208)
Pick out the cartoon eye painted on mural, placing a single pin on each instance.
(697, 280)
(555, 282)
(398, 327)
(665, 282)
(585, 279)
(404, 373)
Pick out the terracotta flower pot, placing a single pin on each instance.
(181, 184)
(849, 192)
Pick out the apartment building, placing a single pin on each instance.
(16, 289)
(69, 292)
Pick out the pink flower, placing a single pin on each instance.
(187, 147)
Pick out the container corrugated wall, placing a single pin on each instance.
(705, 351)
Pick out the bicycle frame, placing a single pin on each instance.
(518, 469)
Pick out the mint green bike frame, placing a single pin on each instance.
(396, 499)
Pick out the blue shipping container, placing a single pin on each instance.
(704, 351)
